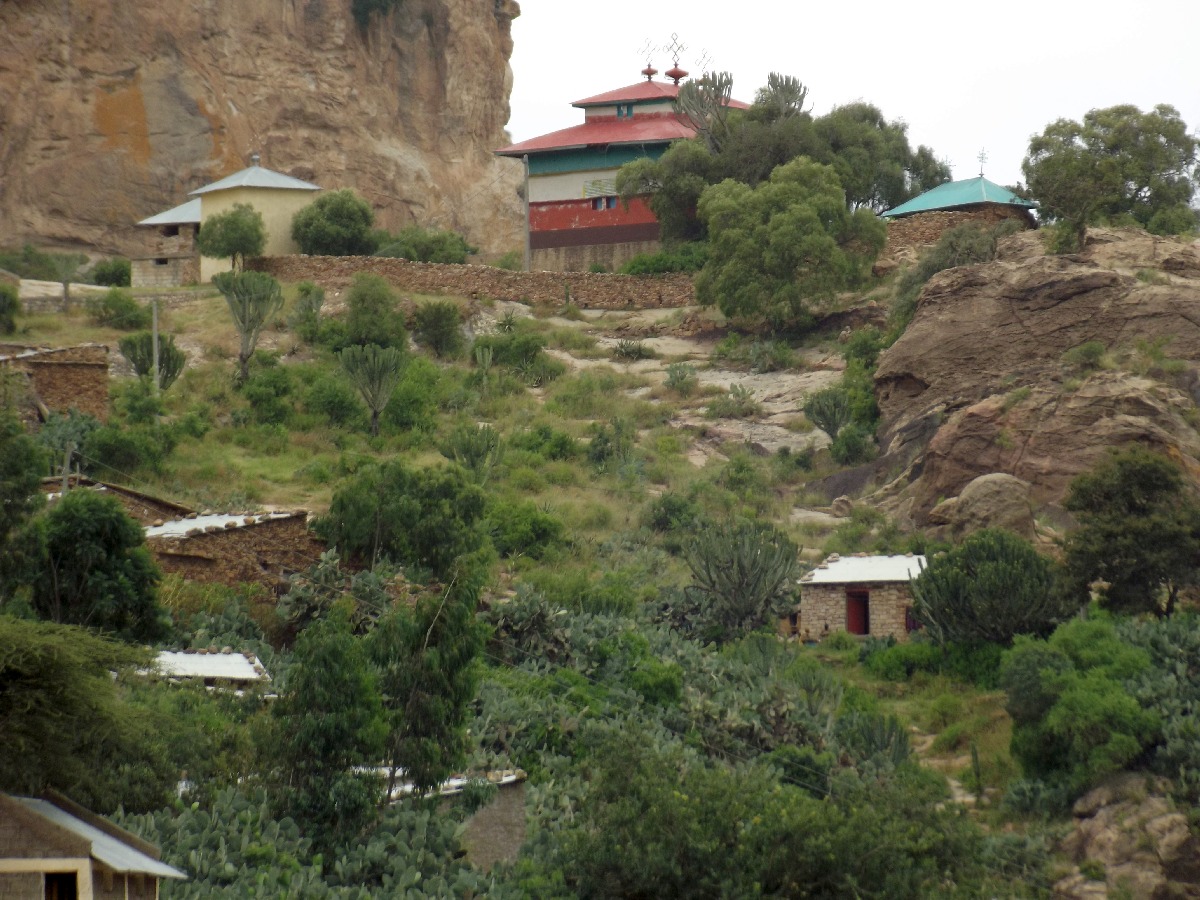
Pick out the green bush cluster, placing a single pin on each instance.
(419, 244)
(686, 257)
(117, 309)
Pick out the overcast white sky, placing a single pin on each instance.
(963, 77)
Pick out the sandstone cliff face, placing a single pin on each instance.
(110, 112)
(980, 382)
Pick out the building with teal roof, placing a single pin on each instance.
(921, 221)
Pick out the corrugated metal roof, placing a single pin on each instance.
(223, 666)
(954, 194)
(642, 90)
(114, 853)
(258, 177)
(184, 214)
(638, 130)
(860, 569)
(181, 527)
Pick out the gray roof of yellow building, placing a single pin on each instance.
(256, 177)
(955, 194)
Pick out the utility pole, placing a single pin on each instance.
(66, 476)
(157, 377)
(525, 193)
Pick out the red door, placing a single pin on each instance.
(858, 612)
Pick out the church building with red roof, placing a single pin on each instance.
(576, 220)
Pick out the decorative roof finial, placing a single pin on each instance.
(254, 157)
(647, 53)
(675, 48)
(982, 157)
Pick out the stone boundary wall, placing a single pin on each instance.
(823, 609)
(587, 289)
(923, 229)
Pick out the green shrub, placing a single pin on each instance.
(10, 308)
(900, 662)
(688, 257)
(960, 246)
(771, 356)
(610, 444)
(632, 350)
(477, 448)
(739, 403)
(513, 261)
(546, 441)
(681, 378)
(268, 391)
(372, 317)
(513, 349)
(117, 309)
(334, 399)
(425, 245)
(113, 272)
(305, 320)
(438, 326)
(852, 446)
(113, 452)
(1087, 356)
(520, 528)
(337, 223)
(864, 346)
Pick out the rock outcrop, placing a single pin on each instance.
(983, 382)
(1130, 840)
(114, 111)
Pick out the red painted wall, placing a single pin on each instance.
(562, 215)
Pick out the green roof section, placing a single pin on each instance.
(955, 194)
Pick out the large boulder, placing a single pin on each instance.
(995, 500)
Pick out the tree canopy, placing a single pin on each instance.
(1118, 165)
(335, 224)
(777, 249)
(236, 233)
(98, 571)
(1138, 532)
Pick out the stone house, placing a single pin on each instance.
(863, 595)
(53, 849)
(173, 259)
(60, 379)
(235, 549)
(143, 508)
(919, 223)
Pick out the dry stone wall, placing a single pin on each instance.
(823, 609)
(264, 552)
(586, 289)
(912, 233)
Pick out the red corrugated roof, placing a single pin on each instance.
(642, 90)
(638, 130)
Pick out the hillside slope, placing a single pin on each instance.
(114, 111)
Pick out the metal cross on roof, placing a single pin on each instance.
(676, 48)
(982, 157)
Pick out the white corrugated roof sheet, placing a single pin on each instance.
(114, 853)
(184, 214)
(224, 666)
(180, 527)
(848, 569)
(258, 177)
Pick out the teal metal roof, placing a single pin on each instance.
(954, 194)
(256, 177)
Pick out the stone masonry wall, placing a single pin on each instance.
(581, 259)
(66, 378)
(823, 609)
(587, 289)
(265, 552)
(172, 271)
(923, 229)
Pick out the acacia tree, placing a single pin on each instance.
(253, 299)
(1119, 163)
(236, 233)
(374, 371)
(790, 242)
(1139, 532)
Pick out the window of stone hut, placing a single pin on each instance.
(170, 231)
(162, 262)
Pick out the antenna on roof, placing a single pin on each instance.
(982, 157)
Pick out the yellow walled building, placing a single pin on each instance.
(277, 197)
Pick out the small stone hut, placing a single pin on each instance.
(54, 849)
(921, 221)
(61, 378)
(173, 259)
(862, 595)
